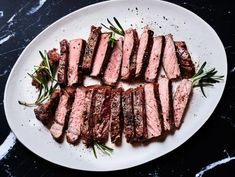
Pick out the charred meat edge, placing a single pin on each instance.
(116, 122)
(45, 112)
(91, 48)
(101, 127)
(153, 111)
(63, 63)
(76, 52)
(113, 69)
(130, 48)
(169, 60)
(88, 124)
(139, 114)
(128, 116)
(102, 55)
(180, 101)
(75, 119)
(187, 67)
(152, 69)
(144, 50)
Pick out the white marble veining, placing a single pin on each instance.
(37, 7)
(6, 38)
(7, 145)
(232, 70)
(215, 164)
(1, 14)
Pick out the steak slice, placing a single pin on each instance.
(139, 114)
(101, 127)
(180, 101)
(76, 51)
(102, 55)
(155, 59)
(115, 116)
(145, 46)
(127, 108)
(91, 48)
(112, 71)
(87, 125)
(63, 63)
(53, 56)
(165, 95)
(169, 60)
(61, 115)
(75, 119)
(130, 48)
(45, 112)
(187, 67)
(153, 111)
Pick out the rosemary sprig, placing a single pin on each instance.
(115, 29)
(44, 77)
(204, 78)
(112, 40)
(103, 148)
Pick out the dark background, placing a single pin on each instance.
(208, 145)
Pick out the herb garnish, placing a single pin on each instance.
(103, 148)
(205, 78)
(118, 30)
(44, 79)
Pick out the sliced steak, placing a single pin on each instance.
(187, 67)
(75, 119)
(145, 46)
(165, 95)
(61, 115)
(112, 71)
(169, 60)
(130, 48)
(116, 117)
(87, 125)
(153, 111)
(127, 108)
(155, 59)
(101, 127)
(102, 55)
(139, 114)
(91, 48)
(63, 63)
(76, 51)
(45, 112)
(180, 101)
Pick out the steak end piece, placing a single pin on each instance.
(102, 55)
(128, 116)
(144, 50)
(45, 112)
(152, 69)
(112, 72)
(91, 48)
(187, 67)
(130, 48)
(180, 101)
(63, 63)
(116, 122)
(169, 60)
(139, 114)
(153, 111)
(87, 125)
(101, 127)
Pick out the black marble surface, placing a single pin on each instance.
(214, 143)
